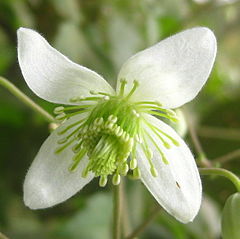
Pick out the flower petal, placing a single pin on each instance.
(178, 186)
(174, 70)
(48, 181)
(51, 75)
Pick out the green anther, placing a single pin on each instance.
(135, 85)
(133, 163)
(123, 169)
(175, 142)
(76, 148)
(167, 145)
(103, 181)
(149, 153)
(60, 116)
(74, 99)
(60, 149)
(76, 159)
(58, 110)
(123, 83)
(85, 172)
(112, 118)
(62, 141)
(136, 173)
(92, 92)
(116, 179)
(153, 171)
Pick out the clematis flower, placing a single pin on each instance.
(109, 133)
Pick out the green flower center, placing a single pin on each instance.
(110, 133)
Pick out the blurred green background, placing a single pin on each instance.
(102, 34)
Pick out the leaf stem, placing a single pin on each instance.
(25, 99)
(222, 172)
(117, 209)
(145, 223)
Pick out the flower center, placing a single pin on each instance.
(110, 132)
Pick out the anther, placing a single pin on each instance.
(133, 163)
(76, 148)
(106, 97)
(60, 116)
(138, 138)
(135, 85)
(116, 179)
(153, 171)
(167, 145)
(92, 92)
(103, 181)
(74, 99)
(149, 153)
(58, 110)
(123, 83)
(112, 118)
(62, 141)
(85, 172)
(123, 169)
(136, 113)
(136, 173)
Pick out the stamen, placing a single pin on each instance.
(123, 169)
(135, 85)
(154, 128)
(103, 181)
(77, 158)
(149, 103)
(60, 149)
(116, 179)
(82, 98)
(153, 112)
(58, 110)
(123, 84)
(157, 147)
(174, 141)
(136, 173)
(70, 126)
(133, 163)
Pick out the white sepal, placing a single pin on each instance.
(174, 70)
(48, 181)
(51, 75)
(177, 187)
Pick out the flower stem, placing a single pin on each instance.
(145, 223)
(222, 172)
(196, 142)
(25, 99)
(227, 157)
(2, 236)
(117, 209)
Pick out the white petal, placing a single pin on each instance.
(48, 181)
(174, 70)
(178, 186)
(51, 75)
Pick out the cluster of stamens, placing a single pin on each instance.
(109, 133)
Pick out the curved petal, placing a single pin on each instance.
(178, 186)
(174, 70)
(48, 181)
(51, 75)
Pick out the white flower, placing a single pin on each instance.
(110, 132)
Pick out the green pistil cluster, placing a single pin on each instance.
(111, 131)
